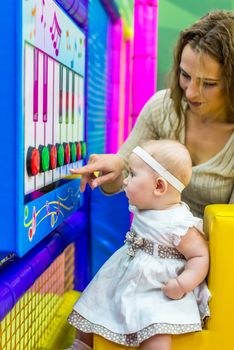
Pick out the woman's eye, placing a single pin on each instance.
(209, 84)
(184, 75)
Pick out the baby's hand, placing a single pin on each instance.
(172, 289)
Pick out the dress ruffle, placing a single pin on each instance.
(180, 230)
(132, 339)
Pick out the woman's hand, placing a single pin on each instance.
(172, 289)
(109, 168)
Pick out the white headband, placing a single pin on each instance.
(159, 168)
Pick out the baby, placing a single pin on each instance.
(153, 286)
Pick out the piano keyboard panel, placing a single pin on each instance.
(42, 128)
(54, 119)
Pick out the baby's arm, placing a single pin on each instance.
(195, 250)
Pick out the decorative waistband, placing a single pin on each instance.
(137, 242)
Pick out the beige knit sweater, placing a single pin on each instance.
(212, 182)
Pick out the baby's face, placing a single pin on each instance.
(140, 183)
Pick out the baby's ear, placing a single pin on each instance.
(160, 186)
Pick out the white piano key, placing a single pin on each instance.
(56, 128)
(40, 132)
(63, 125)
(49, 124)
(29, 125)
(70, 121)
(81, 108)
(75, 129)
(70, 116)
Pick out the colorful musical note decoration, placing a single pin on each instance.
(74, 54)
(56, 32)
(32, 228)
(47, 208)
(42, 11)
(80, 48)
(33, 22)
(68, 44)
(43, 19)
(58, 210)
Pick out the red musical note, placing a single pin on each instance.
(32, 229)
(56, 32)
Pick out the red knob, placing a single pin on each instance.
(78, 151)
(53, 156)
(67, 153)
(33, 161)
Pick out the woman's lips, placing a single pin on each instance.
(194, 104)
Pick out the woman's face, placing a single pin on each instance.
(203, 84)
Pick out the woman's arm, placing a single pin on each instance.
(109, 167)
(195, 249)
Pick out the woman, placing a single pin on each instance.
(197, 110)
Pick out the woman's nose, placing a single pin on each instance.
(192, 90)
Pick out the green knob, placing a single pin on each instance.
(83, 149)
(45, 158)
(73, 151)
(60, 154)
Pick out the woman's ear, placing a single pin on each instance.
(160, 186)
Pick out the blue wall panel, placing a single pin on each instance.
(97, 77)
(109, 217)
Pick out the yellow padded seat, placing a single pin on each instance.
(219, 331)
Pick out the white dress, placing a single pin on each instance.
(124, 302)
